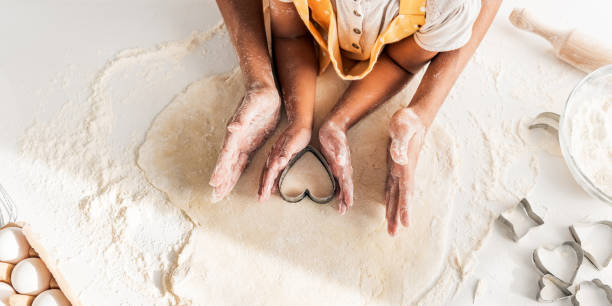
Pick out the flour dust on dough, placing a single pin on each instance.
(246, 252)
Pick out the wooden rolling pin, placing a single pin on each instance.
(573, 46)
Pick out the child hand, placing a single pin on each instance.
(293, 140)
(334, 146)
(407, 137)
(255, 118)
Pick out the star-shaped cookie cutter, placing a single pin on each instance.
(529, 212)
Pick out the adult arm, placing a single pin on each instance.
(257, 115)
(408, 126)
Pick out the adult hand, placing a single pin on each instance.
(334, 146)
(254, 120)
(292, 141)
(407, 136)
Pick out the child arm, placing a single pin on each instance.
(294, 54)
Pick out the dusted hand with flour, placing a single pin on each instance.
(379, 46)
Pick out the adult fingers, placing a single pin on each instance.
(406, 180)
(402, 203)
(341, 207)
(392, 209)
(222, 190)
(388, 187)
(268, 177)
(347, 190)
(345, 184)
(227, 159)
(398, 149)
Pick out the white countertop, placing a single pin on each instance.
(50, 51)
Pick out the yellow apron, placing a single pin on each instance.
(410, 18)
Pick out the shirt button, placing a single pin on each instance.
(355, 46)
(357, 31)
(356, 13)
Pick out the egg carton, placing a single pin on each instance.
(37, 250)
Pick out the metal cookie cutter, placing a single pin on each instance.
(542, 267)
(587, 254)
(306, 192)
(553, 281)
(528, 211)
(597, 283)
(548, 121)
(8, 211)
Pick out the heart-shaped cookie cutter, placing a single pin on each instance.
(306, 192)
(558, 284)
(526, 206)
(598, 283)
(548, 121)
(589, 256)
(542, 268)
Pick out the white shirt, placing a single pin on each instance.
(448, 24)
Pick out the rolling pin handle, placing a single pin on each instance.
(526, 20)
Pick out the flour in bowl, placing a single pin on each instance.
(590, 137)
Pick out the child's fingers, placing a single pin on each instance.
(277, 161)
(268, 178)
(275, 186)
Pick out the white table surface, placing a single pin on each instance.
(44, 43)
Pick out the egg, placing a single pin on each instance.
(51, 297)
(5, 292)
(13, 245)
(30, 276)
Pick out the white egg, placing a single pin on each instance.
(51, 297)
(13, 245)
(30, 276)
(5, 292)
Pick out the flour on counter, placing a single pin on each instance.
(590, 137)
(132, 245)
(110, 233)
(479, 290)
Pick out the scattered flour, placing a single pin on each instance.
(133, 247)
(109, 231)
(479, 289)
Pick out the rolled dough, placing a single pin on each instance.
(248, 253)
